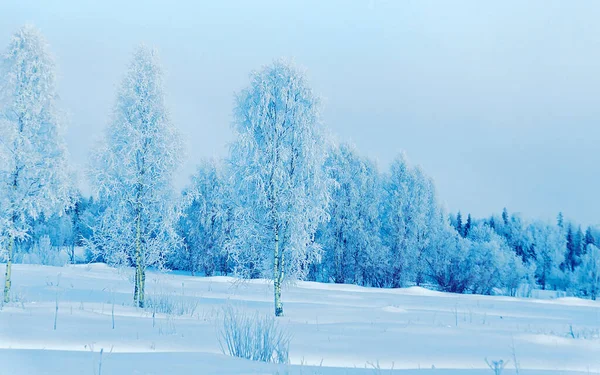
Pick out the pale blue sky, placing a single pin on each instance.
(498, 101)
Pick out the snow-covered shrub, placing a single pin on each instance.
(493, 263)
(496, 366)
(44, 253)
(255, 337)
(447, 260)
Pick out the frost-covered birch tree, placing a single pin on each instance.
(588, 274)
(281, 189)
(132, 171)
(549, 243)
(205, 224)
(351, 242)
(409, 216)
(33, 164)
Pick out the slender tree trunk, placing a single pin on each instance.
(72, 254)
(142, 288)
(138, 293)
(7, 275)
(277, 276)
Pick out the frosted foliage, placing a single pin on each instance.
(34, 176)
(588, 272)
(276, 164)
(131, 171)
(353, 249)
(205, 221)
(550, 244)
(410, 218)
(493, 264)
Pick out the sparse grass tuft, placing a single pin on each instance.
(172, 305)
(254, 337)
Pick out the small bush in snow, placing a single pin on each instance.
(254, 337)
(172, 305)
(42, 252)
(496, 366)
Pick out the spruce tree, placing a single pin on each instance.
(467, 227)
(588, 239)
(458, 224)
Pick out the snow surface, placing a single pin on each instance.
(336, 329)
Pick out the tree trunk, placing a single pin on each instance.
(7, 275)
(138, 293)
(142, 287)
(72, 253)
(277, 277)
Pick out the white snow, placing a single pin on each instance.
(336, 329)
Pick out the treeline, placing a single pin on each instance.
(285, 203)
(384, 230)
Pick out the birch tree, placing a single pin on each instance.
(132, 171)
(33, 160)
(409, 216)
(281, 189)
(588, 273)
(351, 241)
(549, 244)
(205, 222)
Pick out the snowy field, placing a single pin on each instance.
(336, 329)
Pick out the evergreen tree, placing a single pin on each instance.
(570, 254)
(578, 241)
(459, 224)
(560, 220)
(505, 216)
(467, 227)
(33, 163)
(589, 238)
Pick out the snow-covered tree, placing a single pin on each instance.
(516, 234)
(493, 264)
(351, 238)
(588, 274)
(205, 222)
(132, 170)
(409, 216)
(447, 260)
(574, 248)
(277, 163)
(34, 177)
(589, 238)
(549, 244)
(467, 226)
(458, 224)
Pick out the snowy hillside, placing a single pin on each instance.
(336, 329)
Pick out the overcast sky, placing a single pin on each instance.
(498, 101)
